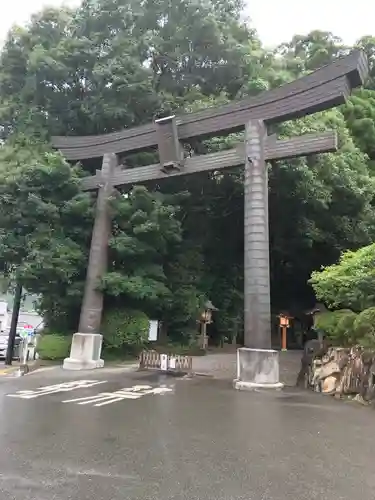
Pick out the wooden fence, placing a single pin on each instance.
(152, 360)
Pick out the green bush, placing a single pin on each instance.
(364, 327)
(350, 282)
(54, 347)
(328, 322)
(125, 331)
(345, 334)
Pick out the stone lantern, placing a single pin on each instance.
(205, 319)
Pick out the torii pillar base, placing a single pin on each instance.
(257, 369)
(85, 352)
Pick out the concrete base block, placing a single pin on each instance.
(257, 369)
(250, 386)
(85, 352)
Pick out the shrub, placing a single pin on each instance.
(345, 334)
(328, 322)
(350, 282)
(125, 330)
(54, 346)
(364, 327)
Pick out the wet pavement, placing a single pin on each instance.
(163, 438)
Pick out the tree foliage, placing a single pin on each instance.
(364, 327)
(125, 331)
(45, 223)
(345, 333)
(350, 283)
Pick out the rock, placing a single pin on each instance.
(328, 369)
(359, 399)
(341, 372)
(330, 383)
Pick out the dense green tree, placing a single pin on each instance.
(56, 77)
(360, 116)
(318, 207)
(45, 222)
(306, 53)
(45, 233)
(349, 283)
(111, 64)
(311, 51)
(145, 230)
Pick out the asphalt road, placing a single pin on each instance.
(189, 440)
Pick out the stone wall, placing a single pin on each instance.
(344, 372)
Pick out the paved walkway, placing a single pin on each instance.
(188, 439)
(223, 365)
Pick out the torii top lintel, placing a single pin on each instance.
(325, 88)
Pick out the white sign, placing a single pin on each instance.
(54, 389)
(107, 398)
(163, 362)
(153, 330)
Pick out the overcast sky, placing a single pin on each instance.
(276, 20)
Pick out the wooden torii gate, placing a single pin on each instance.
(325, 88)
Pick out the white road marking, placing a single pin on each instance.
(54, 389)
(136, 388)
(116, 400)
(101, 399)
(161, 390)
(107, 398)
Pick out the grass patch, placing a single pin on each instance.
(116, 356)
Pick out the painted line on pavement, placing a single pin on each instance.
(107, 398)
(98, 400)
(54, 389)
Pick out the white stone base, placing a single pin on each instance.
(78, 364)
(85, 352)
(251, 386)
(257, 369)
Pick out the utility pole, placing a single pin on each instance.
(13, 324)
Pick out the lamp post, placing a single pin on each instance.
(284, 323)
(205, 319)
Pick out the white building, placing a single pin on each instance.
(3, 315)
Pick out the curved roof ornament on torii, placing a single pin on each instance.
(323, 89)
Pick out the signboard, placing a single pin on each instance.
(26, 331)
(163, 362)
(153, 330)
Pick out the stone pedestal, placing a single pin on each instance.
(85, 352)
(257, 369)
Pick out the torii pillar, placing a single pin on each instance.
(86, 348)
(257, 363)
